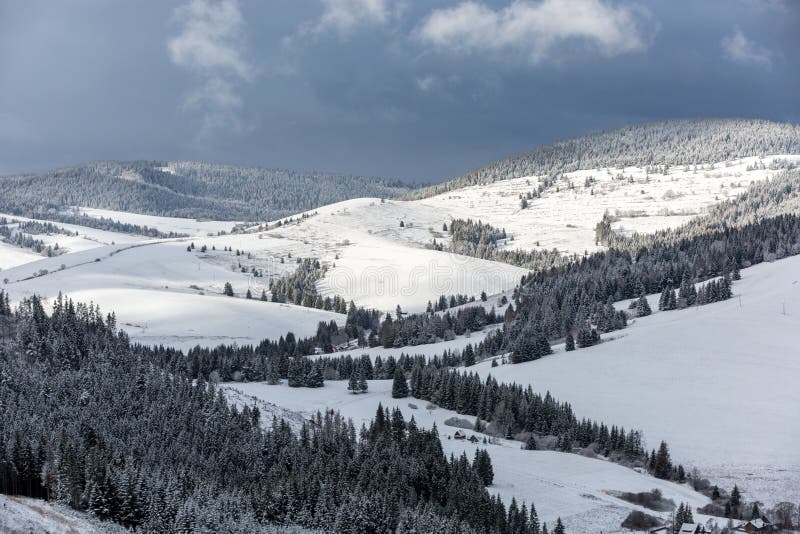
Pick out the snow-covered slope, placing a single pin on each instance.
(718, 382)
(21, 515)
(178, 225)
(565, 215)
(163, 294)
(569, 486)
(86, 239)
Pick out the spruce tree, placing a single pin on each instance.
(642, 307)
(399, 386)
(663, 464)
(362, 382)
(314, 377)
(352, 383)
(228, 289)
(469, 356)
(569, 344)
(482, 464)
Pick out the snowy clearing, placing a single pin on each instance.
(718, 382)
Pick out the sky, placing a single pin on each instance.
(421, 91)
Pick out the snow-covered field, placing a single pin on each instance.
(12, 256)
(21, 515)
(569, 486)
(165, 224)
(163, 294)
(718, 382)
(566, 214)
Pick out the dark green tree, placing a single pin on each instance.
(399, 385)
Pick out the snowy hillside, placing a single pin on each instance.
(370, 257)
(21, 515)
(641, 200)
(576, 488)
(186, 189)
(718, 382)
(163, 294)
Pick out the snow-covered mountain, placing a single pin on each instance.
(716, 382)
(185, 189)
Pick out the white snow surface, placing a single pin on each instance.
(570, 486)
(163, 294)
(21, 515)
(565, 217)
(717, 382)
(179, 225)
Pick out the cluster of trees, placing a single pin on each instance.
(688, 295)
(94, 422)
(682, 515)
(473, 238)
(358, 378)
(22, 239)
(734, 506)
(423, 328)
(511, 411)
(99, 223)
(482, 240)
(580, 295)
(186, 189)
(40, 227)
(682, 142)
(299, 287)
(444, 303)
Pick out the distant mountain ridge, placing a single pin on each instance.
(673, 142)
(187, 189)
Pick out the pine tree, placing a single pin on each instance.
(569, 344)
(663, 464)
(469, 356)
(736, 497)
(362, 383)
(228, 289)
(248, 295)
(482, 464)
(352, 383)
(559, 527)
(642, 307)
(399, 386)
(314, 377)
(387, 332)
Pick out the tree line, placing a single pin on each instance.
(94, 422)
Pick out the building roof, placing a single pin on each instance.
(758, 523)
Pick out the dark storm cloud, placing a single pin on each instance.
(416, 90)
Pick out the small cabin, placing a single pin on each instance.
(459, 434)
(692, 528)
(761, 524)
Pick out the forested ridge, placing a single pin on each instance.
(675, 142)
(94, 422)
(185, 189)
